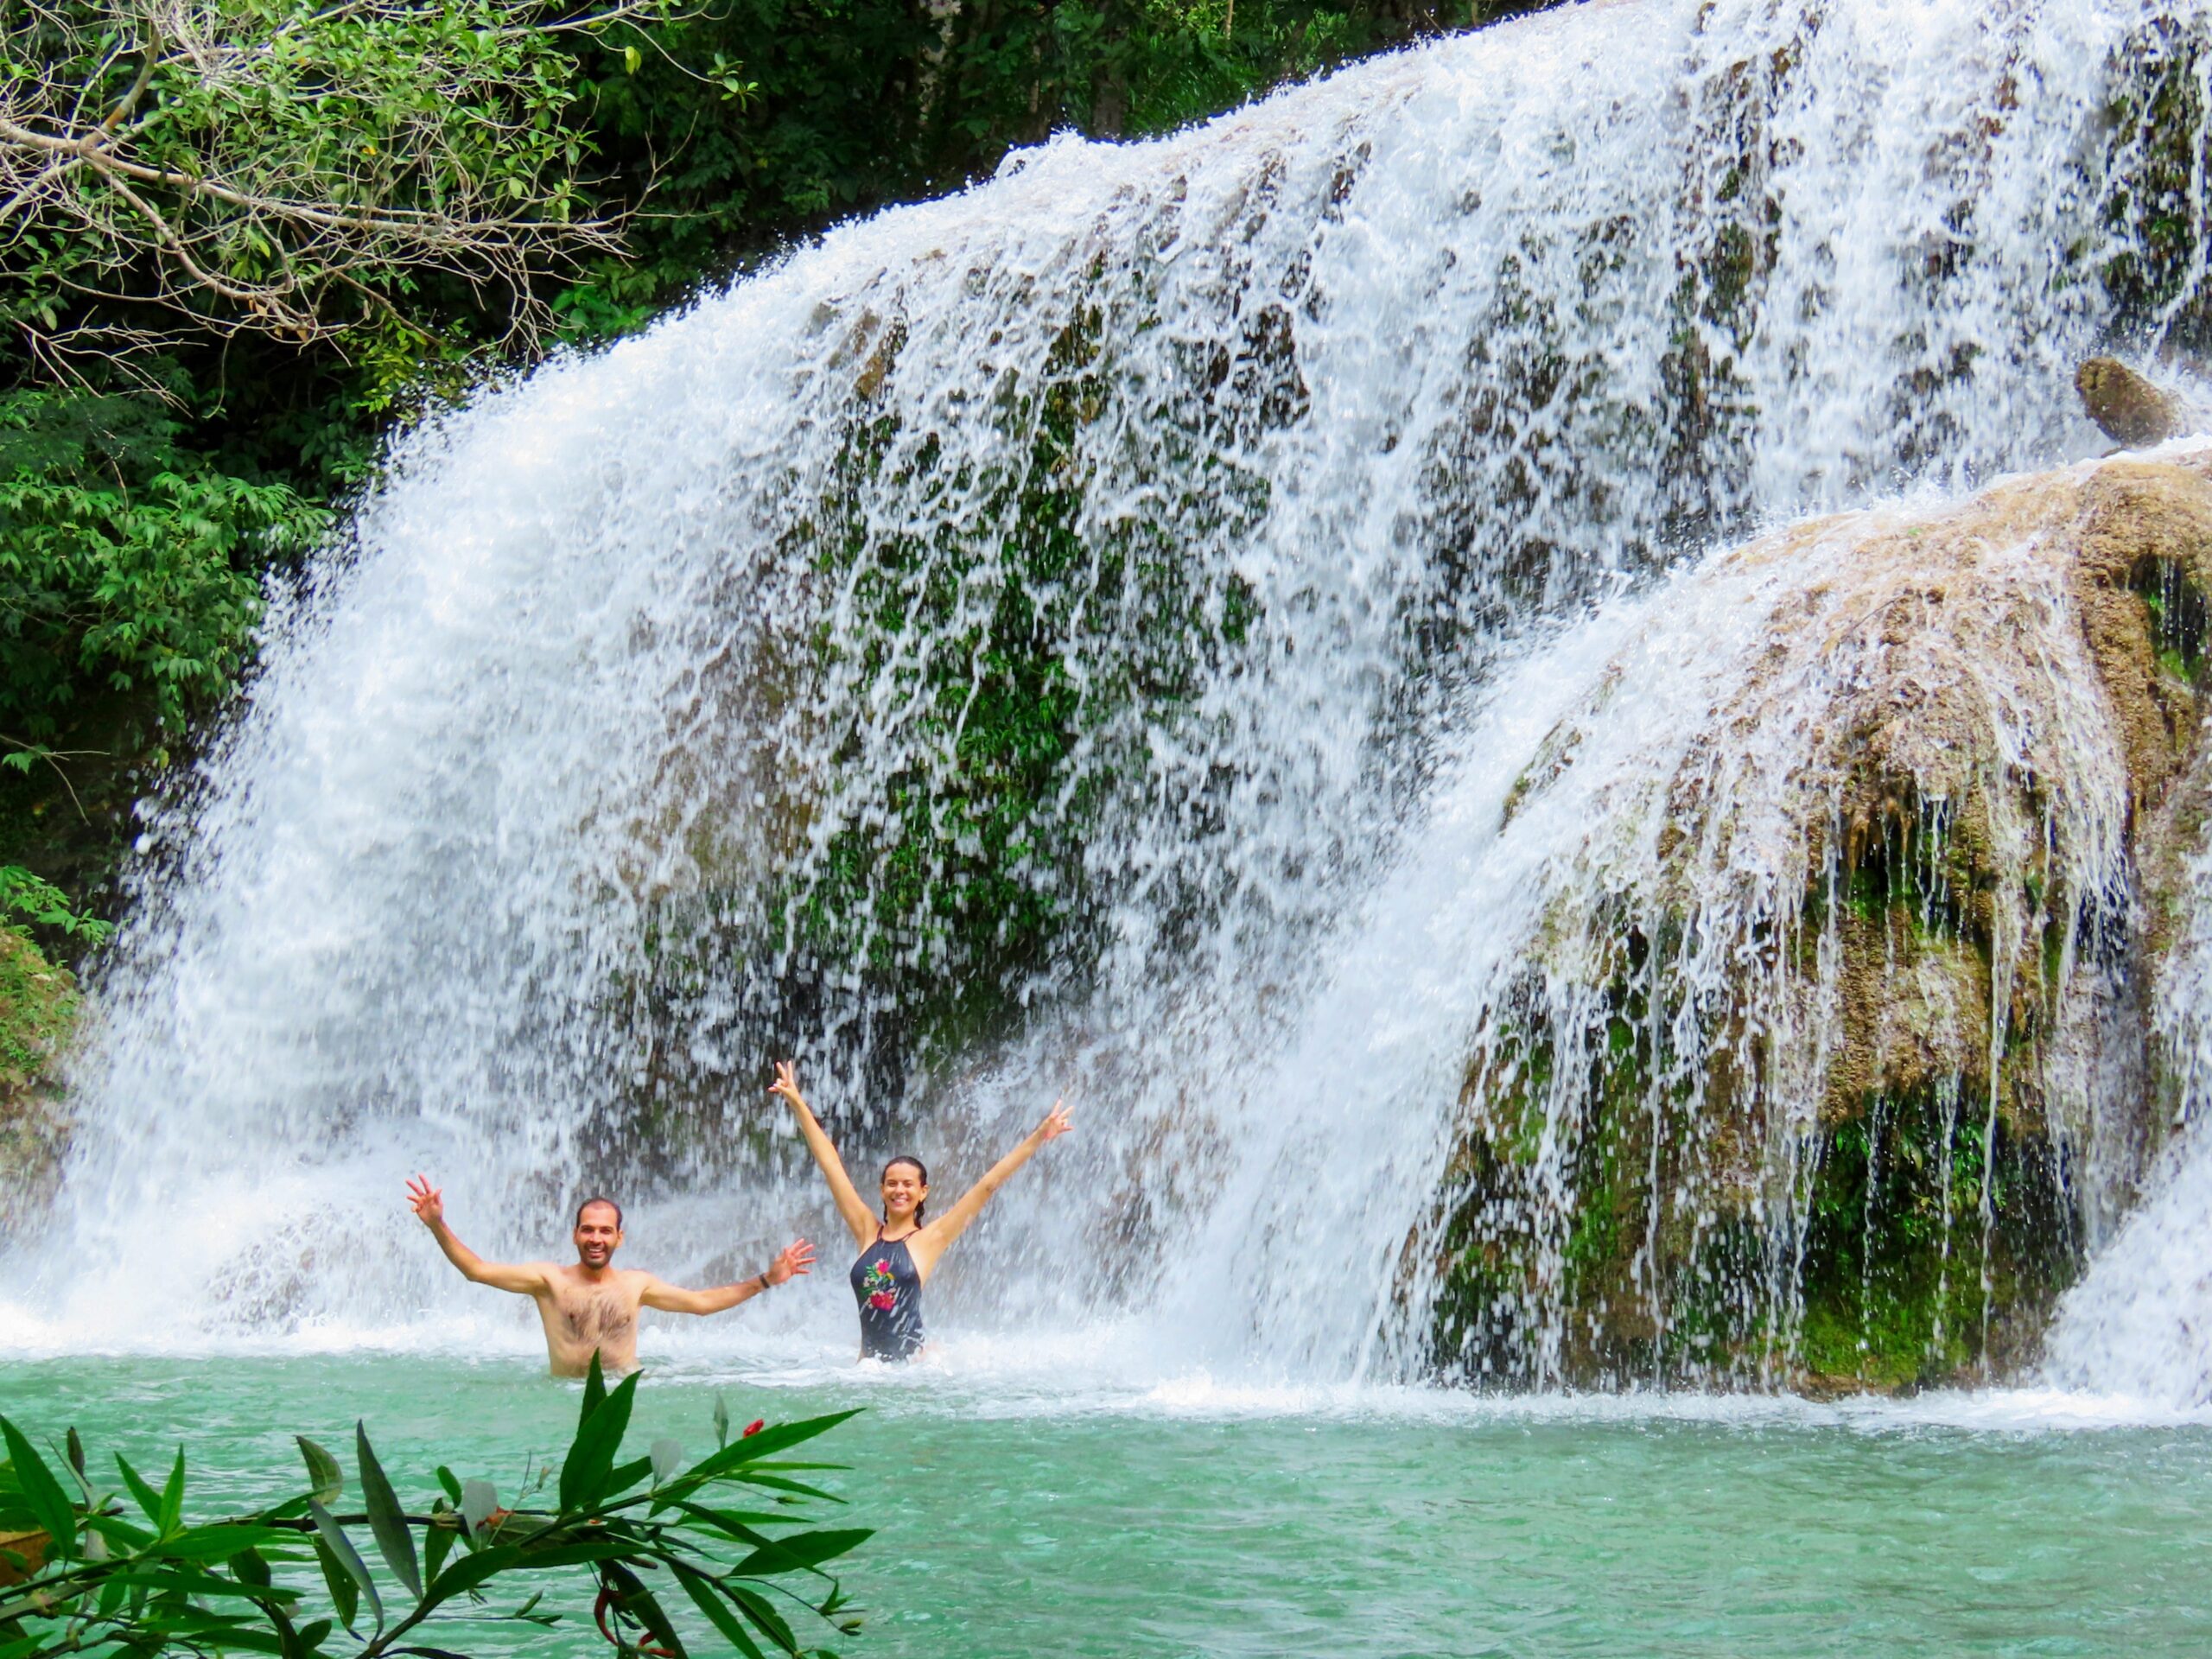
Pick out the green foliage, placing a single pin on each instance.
(38, 1003)
(138, 1577)
(285, 167)
(26, 898)
(125, 563)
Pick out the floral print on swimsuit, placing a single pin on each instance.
(882, 1289)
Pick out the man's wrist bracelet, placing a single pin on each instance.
(764, 1286)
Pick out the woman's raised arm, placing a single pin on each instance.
(857, 1215)
(929, 1244)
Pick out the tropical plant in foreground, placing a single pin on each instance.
(85, 1572)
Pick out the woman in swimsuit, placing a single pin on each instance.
(900, 1251)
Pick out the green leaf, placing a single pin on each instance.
(325, 1479)
(591, 1458)
(802, 1550)
(471, 1571)
(345, 1592)
(633, 1598)
(701, 1588)
(387, 1519)
(172, 1497)
(205, 1543)
(769, 1441)
(437, 1544)
(49, 1504)
(722, 1421)
(777, 1483)
(450, 1484)
(148, 1499)
(334, 1538)
(738, 1525)
(758, 1608)
(595, 1391)
(202, 1583)
(119, 1532)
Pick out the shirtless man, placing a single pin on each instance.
(593, 1306)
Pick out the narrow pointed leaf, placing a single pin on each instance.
(768, 1442)
(335, 1539)
(722, 1421)
(325, 1479)
(591, 1459)
(49, 1504)
(633, 1598)
(701, 1588)
(148, 1499)
(172, 1496)
(345, 1589)
(436, 1546)
(387, 1519)
(450, 1484)
(595, 1391)
(205, 1543)
(758, 1608)
(802, 1550)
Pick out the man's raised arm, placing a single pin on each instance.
(429, 1203)
(798, 1256)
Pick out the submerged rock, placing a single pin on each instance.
(1827, 1056)
(2126, 407)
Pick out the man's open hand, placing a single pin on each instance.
(798, 1256)
(429, 1202)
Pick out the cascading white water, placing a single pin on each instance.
(1275, 438)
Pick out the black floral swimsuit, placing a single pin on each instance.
(888, 1287)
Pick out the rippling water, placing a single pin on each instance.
(1028, 1506)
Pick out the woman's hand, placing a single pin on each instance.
(787, 1084)
(1057, 1123)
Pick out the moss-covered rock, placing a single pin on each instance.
(38, 1010)
(1815, 1083)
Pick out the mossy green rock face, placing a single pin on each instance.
(38, 1008)
(1830, 1055)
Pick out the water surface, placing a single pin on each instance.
(1024, 1510)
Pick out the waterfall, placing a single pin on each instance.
(1300, 483)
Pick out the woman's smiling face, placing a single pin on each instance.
(904, 1190)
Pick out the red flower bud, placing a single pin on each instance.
(755, 1426)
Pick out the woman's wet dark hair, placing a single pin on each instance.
(920, 1169)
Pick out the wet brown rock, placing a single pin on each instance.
(1979, 745)
(2126, 407)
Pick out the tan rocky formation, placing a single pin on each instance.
(1830, 1046)
(2126, 407)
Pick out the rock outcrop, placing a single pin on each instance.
(38, 1004)
(2128, 408)
(1830, 1053)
